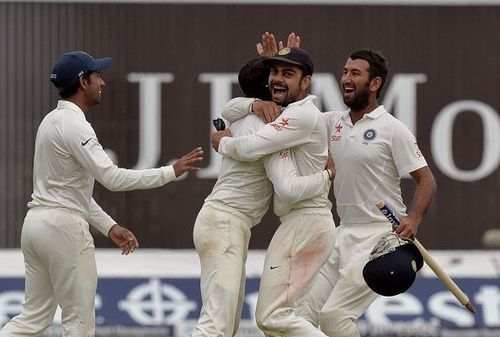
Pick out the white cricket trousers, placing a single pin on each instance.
(60, 270)
(298, 249)
(340, 295)
(221, 235)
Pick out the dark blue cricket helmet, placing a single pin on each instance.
(392, 266)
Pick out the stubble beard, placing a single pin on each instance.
(360, 101)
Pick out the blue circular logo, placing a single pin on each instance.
(369, 134)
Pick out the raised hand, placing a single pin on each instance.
(268, 47)
(293, 41)
(187, 162)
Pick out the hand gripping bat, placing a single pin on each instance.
(219, 124)
(429, 260)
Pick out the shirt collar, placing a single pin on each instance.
(377, 112)
(373, 115)
(302, 101)
(63, 104)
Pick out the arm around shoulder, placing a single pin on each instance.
(237, 108)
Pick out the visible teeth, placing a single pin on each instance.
(278, 87)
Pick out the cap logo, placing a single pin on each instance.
(414, 265)
(81, 73)
(53, 76)
(284, 51)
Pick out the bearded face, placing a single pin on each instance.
(286, 83)
(356, 84)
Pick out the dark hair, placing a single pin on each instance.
(72, 89)
(377, 63)
(253, 78)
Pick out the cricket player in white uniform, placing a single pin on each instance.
(57, 246)
(238, 201)
(372, 150)
(303, 241)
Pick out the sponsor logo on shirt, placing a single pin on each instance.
(281, 124)
(336, 138)
(417, 151)
(338, 128)
(284, 154)
(85, 142)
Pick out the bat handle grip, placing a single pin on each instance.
(219, 124)
(389, 214)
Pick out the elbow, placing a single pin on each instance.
(434, 188)
(287, 194)
(111, 186)
(109, 179)
(432, 183)
(245, 156)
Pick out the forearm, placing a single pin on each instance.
(237, 108)
(119, 179)
(271, 138)
(299, 188)
(288, 185)
(423, 196)
(100, 219)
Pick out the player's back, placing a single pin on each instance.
(59, 180)
(243, 185)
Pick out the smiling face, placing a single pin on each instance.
(357, 88)
(287, 83)
(93, 88)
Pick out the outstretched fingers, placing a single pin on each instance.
(188, 162)
(194, 154)
(267, 46)
(293, 41)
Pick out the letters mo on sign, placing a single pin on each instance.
(400, 98)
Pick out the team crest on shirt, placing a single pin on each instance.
(369, 135)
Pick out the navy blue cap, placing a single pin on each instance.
(296, 56)
(73, 65)
(393, 273)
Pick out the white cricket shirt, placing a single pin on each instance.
(300, 128)
(241, 185)
(370, 158)
(68, 157)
